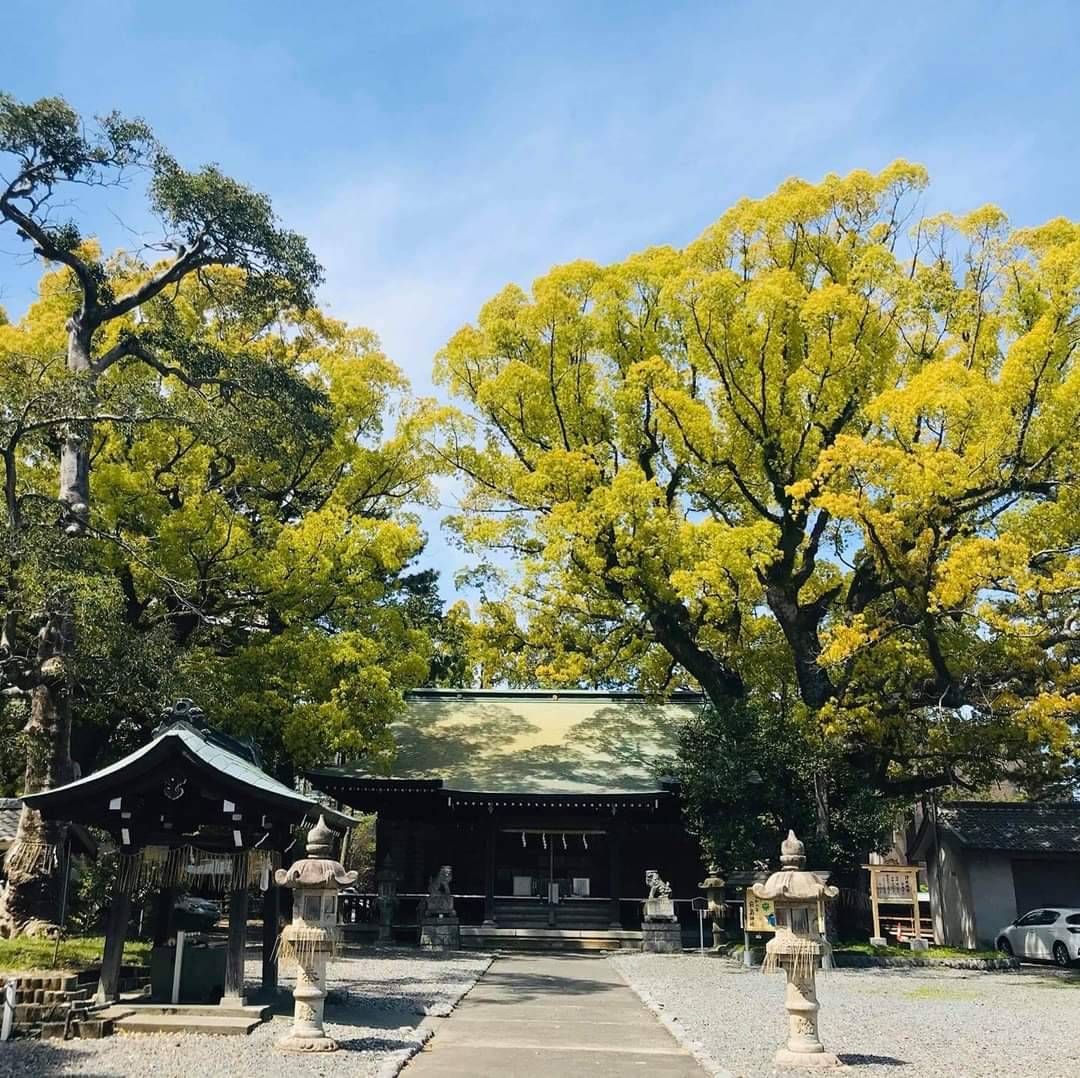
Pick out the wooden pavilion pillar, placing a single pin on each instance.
(271, 925)
(490, 845)
(234, 958)
(116, 923)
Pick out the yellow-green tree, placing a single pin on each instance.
(197, 483)
(247, 546)
(828, 447)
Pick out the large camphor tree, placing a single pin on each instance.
(828, 451)
(243, 539)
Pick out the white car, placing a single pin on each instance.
(1051, 934)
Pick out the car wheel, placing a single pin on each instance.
(1061, 954)
(1004, 946)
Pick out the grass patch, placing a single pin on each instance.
(859, 947)
(935, 992)
(78, 952)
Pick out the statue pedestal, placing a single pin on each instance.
(661, 937)
(659, 909)
(440, 933)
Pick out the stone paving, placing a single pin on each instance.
(536, 1016)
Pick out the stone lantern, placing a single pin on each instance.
(312, 936)
(713, 886)
(798, 898)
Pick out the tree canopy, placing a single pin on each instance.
(246, 527)
(830, 444)
(248, 547)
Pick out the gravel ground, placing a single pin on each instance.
(883, 1023)
(376, 1011)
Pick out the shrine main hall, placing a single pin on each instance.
(548, 806)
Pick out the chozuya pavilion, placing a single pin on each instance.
(192, 807)
(549, 807)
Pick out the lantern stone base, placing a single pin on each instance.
(786, 1058)
(440, 933)
(294, 1043)
(661, 937)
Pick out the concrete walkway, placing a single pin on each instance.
(533, 1016)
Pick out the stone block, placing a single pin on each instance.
(69, 983)
(95, 1028)
(878, 941)
(659, 909)
(661, 937)
(440, 934)
(920, 945)
(53, 1031)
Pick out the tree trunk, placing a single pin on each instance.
(75, 451)
(800, 626)
(720, 684)
(34, 882)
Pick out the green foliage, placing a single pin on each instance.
(749, 772)
(863, 948)
(93, 888)
(827, 440)
(250, 536)
(360, 856)
(76, 953)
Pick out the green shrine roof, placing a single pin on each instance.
(536, 742)
(209, 750)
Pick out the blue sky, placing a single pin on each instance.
(432, 152)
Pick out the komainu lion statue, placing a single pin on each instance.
(658, 888)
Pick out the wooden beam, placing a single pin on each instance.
(271, 918)
(490, 839)
(234, 958)
(615, 875)
(116, 922)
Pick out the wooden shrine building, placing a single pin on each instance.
(549, 807)
(192, 808)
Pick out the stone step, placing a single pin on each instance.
(549, 939)
(84, 1027)
(251, 1012)
(215, 1025)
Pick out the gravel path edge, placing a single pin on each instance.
(704, 1057)
(427, 1028)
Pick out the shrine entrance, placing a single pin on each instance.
(552, 864)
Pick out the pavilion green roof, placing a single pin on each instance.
(539, 742)
(204, 749)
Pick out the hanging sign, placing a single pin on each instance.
(760, 914)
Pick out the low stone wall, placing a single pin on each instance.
(55, 1003)
(856, 961)
(867, 961)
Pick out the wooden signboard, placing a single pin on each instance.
(760, 914)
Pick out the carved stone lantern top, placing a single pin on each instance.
(713, 880)
(798, 897)
(318, 869)
(794, 883)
